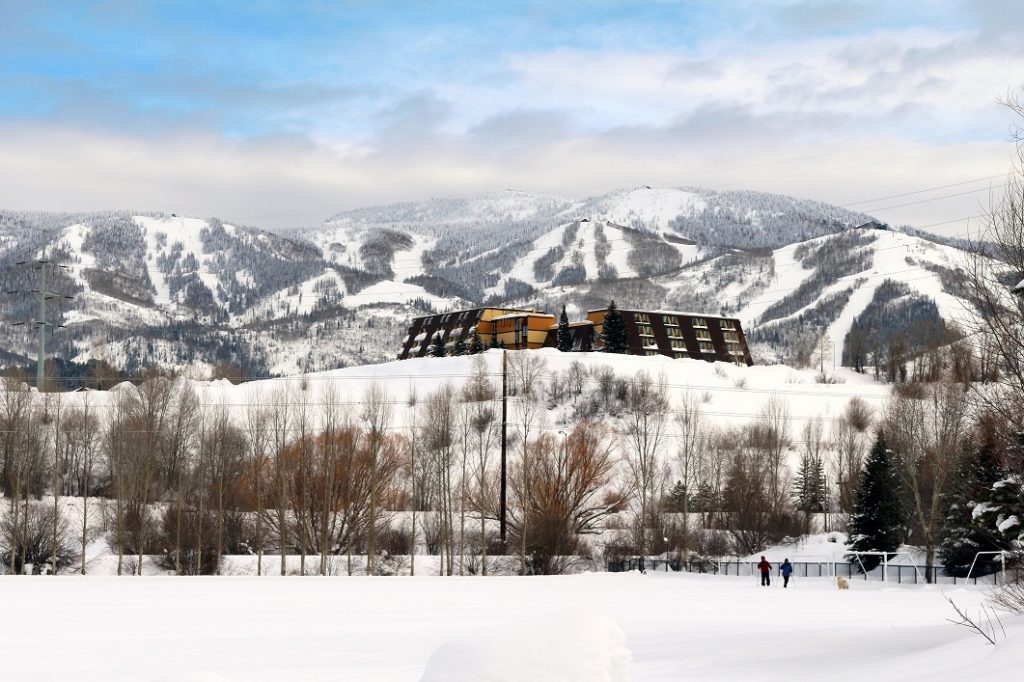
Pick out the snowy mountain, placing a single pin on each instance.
(506, 245)
(188, 293)
(185, 292)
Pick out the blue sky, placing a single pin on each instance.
(282, 113)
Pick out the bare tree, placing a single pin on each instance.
(79, 445)
(571, 480)
(123, 433)
(377, 414)
(691, 448)
(995, 268)
(150, 409)
(525, 371)
(327, 457)
(646, 435)
(280, 428)
(927, 438)
(257, 421)
(224, 452)
(481, 418)
(769, 435)
(302, 482)
(722, 443)
(55, 409)
(850, 439)
(438, 437)
(178, 447)
(413, 451)
(23, 466)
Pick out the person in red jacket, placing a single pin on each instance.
(766, 572)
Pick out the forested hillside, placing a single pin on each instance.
(139, 289)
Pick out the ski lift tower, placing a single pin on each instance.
(41, 265)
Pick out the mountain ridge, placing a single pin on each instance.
(187, 292)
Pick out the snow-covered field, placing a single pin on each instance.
(590, 627)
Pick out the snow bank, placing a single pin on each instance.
(571, 646)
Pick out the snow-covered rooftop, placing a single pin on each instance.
(666, 312)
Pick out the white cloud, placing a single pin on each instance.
(839, 119)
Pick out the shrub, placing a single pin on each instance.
(31, 542)
(198, 541)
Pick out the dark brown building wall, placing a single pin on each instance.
(690, 333)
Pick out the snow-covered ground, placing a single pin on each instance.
(586, 628)
(729, 394)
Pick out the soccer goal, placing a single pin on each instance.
(1002, 560)
(826, 564)
(885, 562)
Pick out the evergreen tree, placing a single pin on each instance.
(476, 345)
(614, 336)
(876, 524)
(460, 347)
(809, 487)
(564, 333)
(964, 536)
(1001, 510)
(677, 497)
(437, 349)
(494, 341)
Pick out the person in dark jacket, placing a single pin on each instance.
(766, 572)
(785, 570)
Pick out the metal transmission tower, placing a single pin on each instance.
(44, 294)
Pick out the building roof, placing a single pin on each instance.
(578, 323)
(468, 310)
(515, 315)
(667, 312)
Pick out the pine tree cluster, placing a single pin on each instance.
(877, 522)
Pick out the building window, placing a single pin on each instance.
(731, 337)
(728, 325)
(680, 356)
(678, 343)
(700, 322)
(652, 352)
(645, 330)
(670, 320)
(641, 317)
(674, 332)
(703, 335)
(706, 347)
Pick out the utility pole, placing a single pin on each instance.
(41, 322)
(504, 445)
(44, 295)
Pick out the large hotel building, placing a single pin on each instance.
(650, 332)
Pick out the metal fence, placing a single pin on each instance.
(896, 573)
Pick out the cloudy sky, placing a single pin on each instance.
(281, 113)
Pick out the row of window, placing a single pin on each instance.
(677, 333)
(680, 355)
(671, 321)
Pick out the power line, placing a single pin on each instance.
(921, 191)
